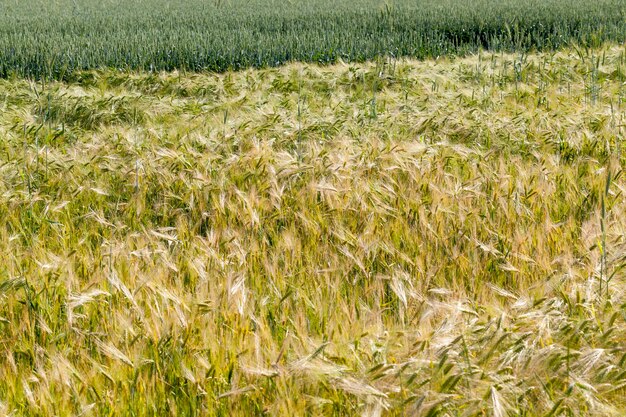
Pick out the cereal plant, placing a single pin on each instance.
(54, 39)
(433, 238)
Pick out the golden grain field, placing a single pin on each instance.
(420, 238)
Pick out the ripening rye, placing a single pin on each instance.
(433, 238)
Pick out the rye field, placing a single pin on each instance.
(393, 238)
(220, 209)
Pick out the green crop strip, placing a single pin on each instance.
(55, 38)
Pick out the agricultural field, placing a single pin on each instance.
(54, 38)
(323, 208)
(440, 238)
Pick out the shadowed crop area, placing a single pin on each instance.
(438, 238)
(53, 39)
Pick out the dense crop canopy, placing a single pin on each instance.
(54, 38)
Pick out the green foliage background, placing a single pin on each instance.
(54, 38)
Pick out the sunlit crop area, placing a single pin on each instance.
(54, 38)
(433, 238)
